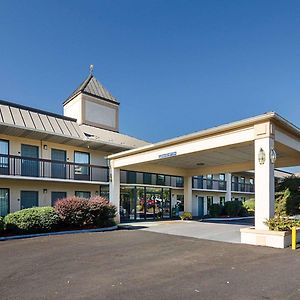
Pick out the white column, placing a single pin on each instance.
(188, 194)
(264, 183)
(114, 191)
(228, 187)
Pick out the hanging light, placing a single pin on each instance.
(261, 156)
(273, 156)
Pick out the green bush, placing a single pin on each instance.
(215, 210)
(186, 216)
(32, 220)
(235, 209)
(1, 224)
(282, 224)
(249, 205)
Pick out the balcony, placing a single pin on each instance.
(209, 184)
(242, 187)
(12, 165)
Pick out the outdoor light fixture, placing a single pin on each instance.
(45, 147)
(261, 156)
(200, 164)
(273, 156)
(96, 193)
(45, 191)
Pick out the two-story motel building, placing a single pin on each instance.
(46, 156)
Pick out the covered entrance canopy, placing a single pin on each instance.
(259, 143)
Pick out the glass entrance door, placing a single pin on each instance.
(154, 203)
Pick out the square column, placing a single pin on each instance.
(188, 193)
(114, 191)
(264, 182)
(228, 187)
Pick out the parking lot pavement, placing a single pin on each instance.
(225, 231)
(137, 264)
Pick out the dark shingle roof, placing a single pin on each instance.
(91, 86)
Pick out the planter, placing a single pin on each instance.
(269, 238)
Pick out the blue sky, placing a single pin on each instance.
(175, 66)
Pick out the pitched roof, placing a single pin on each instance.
(91, 86)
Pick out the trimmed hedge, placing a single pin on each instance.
(1, 224)
(235, 209)
(282, 224)
(215, 210)
(32, 220)
(250, 206)
(80, 212)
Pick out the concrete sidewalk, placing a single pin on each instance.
(215, 231)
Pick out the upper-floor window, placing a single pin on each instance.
(222, 184)
(179, 181)
(4, 151)
(147, 178)
(160, 179)
(131, 177)
(81, 171)
(242, 184)
(209, 181)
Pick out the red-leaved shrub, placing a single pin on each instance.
(80, 212)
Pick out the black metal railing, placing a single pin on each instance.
(242, 187)
(209, 184)
(36, 167)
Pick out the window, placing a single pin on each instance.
(209, 182)
(179, 181)
(57, 196)
(160, 179)
(83, 194)
(82, 171)
(58, 168)
(104, 191)
(198, 183)
(147, 178)
(131, 177)
(251, 187)
(242, 184)
(30, 165)
(29, 199)
(4, 202)
(4, 164)
(222, 201)
(222, 182)
(180, 202)
(210, 200)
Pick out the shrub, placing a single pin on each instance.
(249, 205)
(79, 212)
(1, 224)
(32, 220)
(72, 211)
(282, 224)
(235, 209)
(215, 210)
(186, 216)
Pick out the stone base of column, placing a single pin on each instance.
(268, 238)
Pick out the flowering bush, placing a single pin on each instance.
(80, 212)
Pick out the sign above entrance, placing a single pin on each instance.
(166, 155)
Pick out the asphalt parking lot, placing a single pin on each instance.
(135, 264)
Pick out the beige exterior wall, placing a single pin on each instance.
(73, 109)
(96, 157)
(16, 186)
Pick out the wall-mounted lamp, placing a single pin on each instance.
(261, 156)
(96, 193)
(45, 147)
(273, 156)
(45, 191)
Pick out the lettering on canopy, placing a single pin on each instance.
(166, 155)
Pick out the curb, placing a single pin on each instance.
(227, 219)
(27, 236)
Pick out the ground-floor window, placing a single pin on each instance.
(104, 191)
(57, 196)
(142, 203)
(4, 202)
(83, 194)
(210, 201)
(222, 201)
(29, 199)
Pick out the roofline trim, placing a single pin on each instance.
(39, 111)
(214, 130)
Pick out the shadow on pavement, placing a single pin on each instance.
(249, 222)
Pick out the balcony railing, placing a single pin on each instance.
(13, 165)
(242, 187)
(209, 184)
